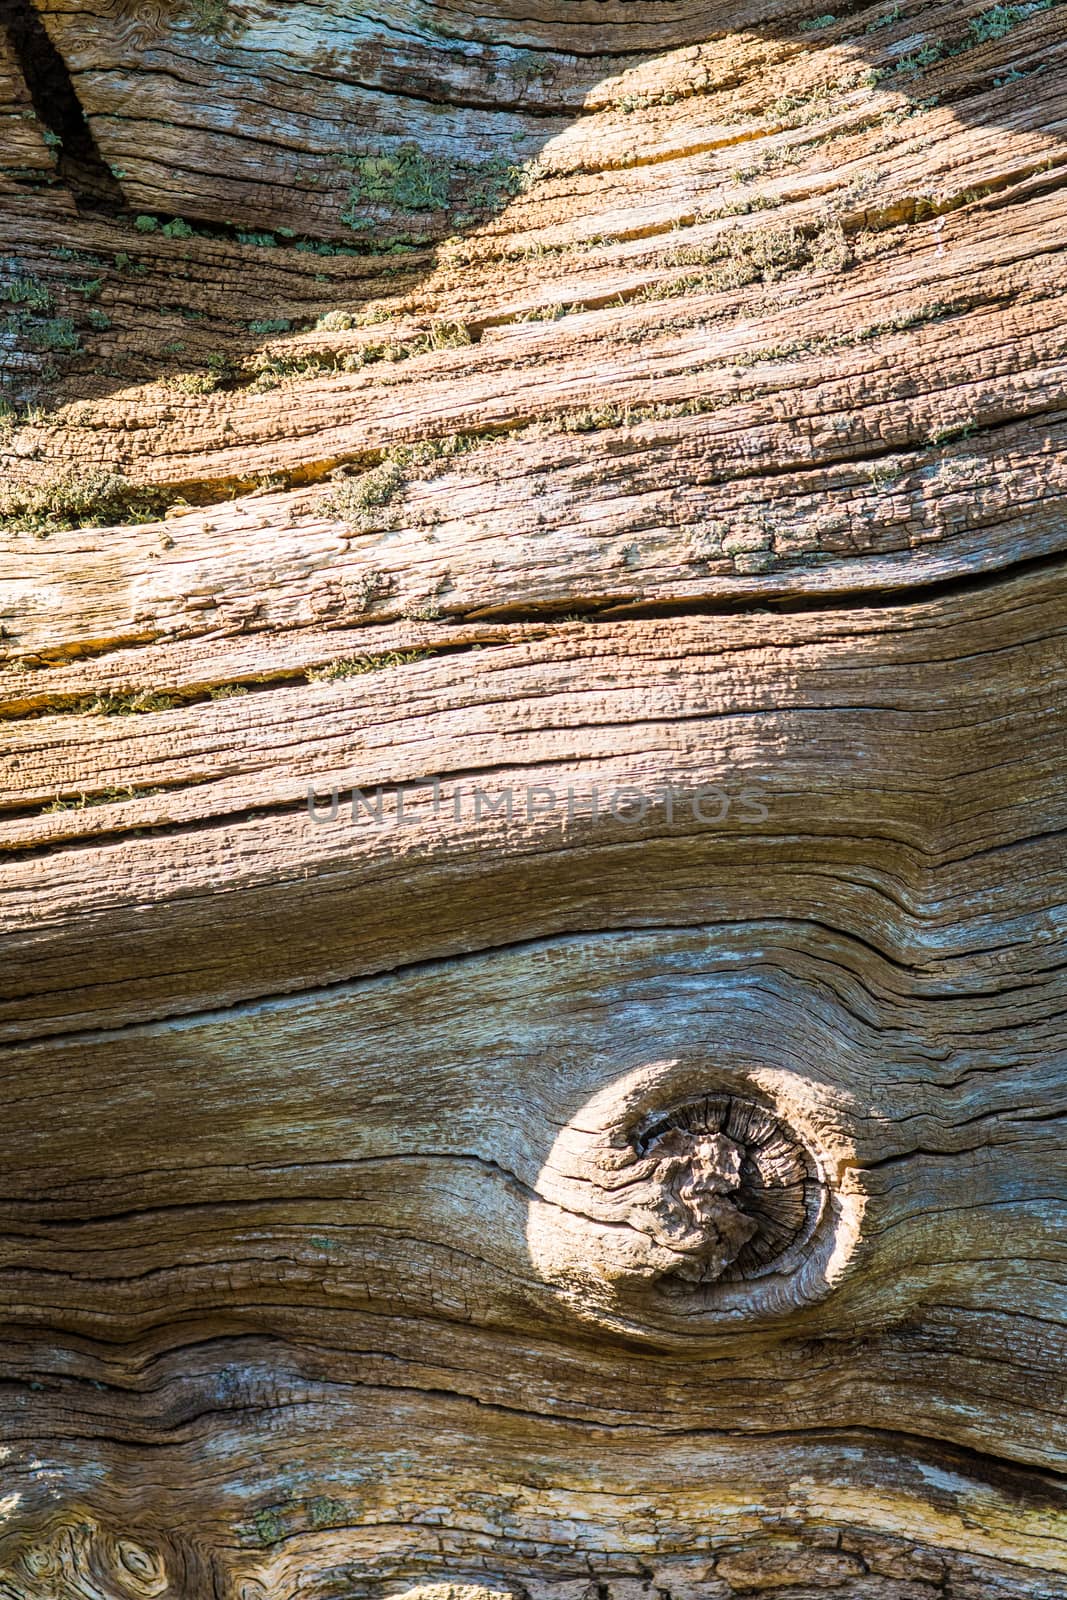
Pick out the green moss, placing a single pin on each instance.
(750, 255)
(943, 436)
(929, 312)
(76, 498)
(138, 702)
(357, 666)
(324, 1512)
(214, 17)
(355, 500)
(194, 382)
(13, 415)
(409, 178)
(271, 370)
(441, 336)
(448, 336)
(29, 292)
(106, 797)
(338, 322)
(594, 419)
(886, 20)
(487, 184)
(53, 334)
(267, 1526)
(883, 473)
(344, 321)
(995, 23)
(124, 705)
(1000, 20)
(910, 66)
(352, 498)
(43, 334)
(270, 1524)
(551, 313)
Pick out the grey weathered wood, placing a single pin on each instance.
(557, 1206)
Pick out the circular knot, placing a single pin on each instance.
(682, 1201)
(728, 1186)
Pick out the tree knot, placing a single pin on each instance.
(727, 1188)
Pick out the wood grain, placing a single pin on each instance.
(25, 152)
(659, 422)
(880, 952)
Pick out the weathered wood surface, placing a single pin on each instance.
(916, 738)
(24, 150)
(345, 1248)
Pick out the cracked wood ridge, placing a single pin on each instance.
(605, 1146)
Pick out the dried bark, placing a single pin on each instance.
(648, 1187)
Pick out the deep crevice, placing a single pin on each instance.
(80, 164)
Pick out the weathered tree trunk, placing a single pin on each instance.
(533, 891)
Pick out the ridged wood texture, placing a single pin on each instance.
(540, 399)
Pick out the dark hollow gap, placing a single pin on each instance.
(80, 164)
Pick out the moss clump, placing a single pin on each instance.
(352, 498)
(1000, 20)
(324, 1512)
(126, 705)
(106, 797)
(214, 17)
(355, 500)
(407, 179)
(356, 666)
(194, 382)
(29, 292)
(752, 255)
(989, 26)
(140, 702)
(75, 498)
(52, 334)
(344, 321)
(267, 1526)
(272, 369)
